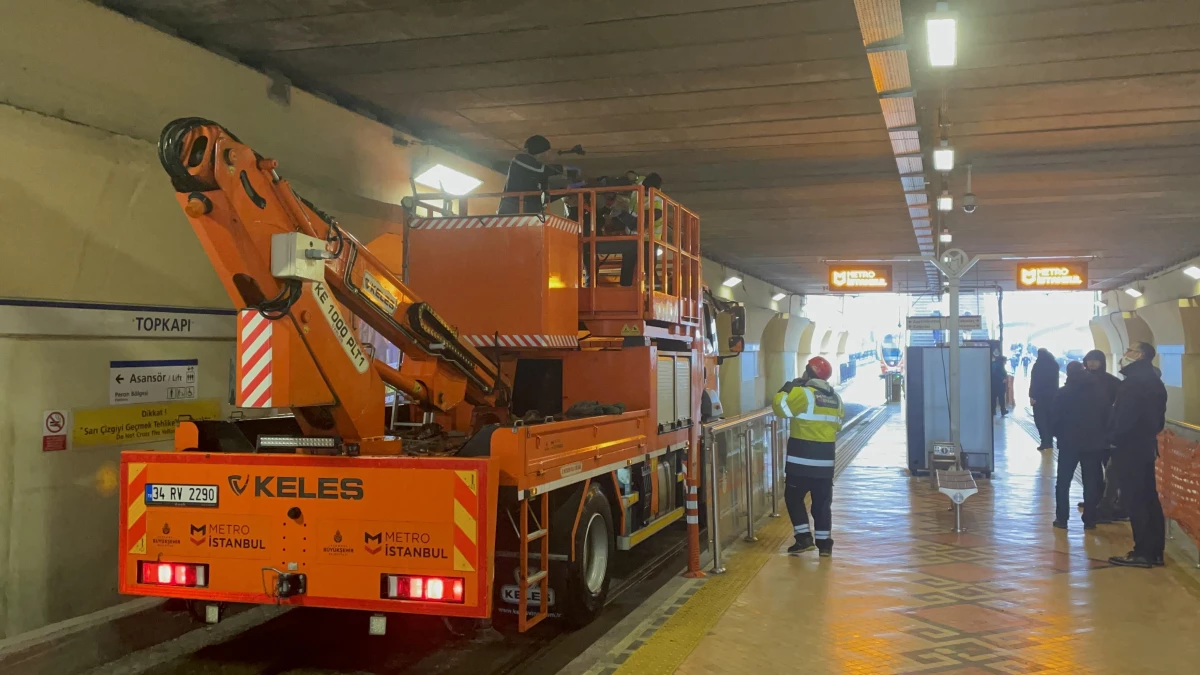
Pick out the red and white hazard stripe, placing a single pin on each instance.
(254, 360)
(555, 341)
(490, 222)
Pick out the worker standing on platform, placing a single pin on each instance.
(1043, 386)
(1081, 411)
(526, 173)
(814, 413)
(1138, 417)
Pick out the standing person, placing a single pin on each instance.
(814, 411)
(1025, 361)
(1138, 416)
(1081, 412)
(1043, 386)
(999, 385)
(526, 173)
(1109, 509)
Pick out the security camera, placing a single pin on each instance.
(969, 203)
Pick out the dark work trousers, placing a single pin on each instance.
(1093, 477)
(1139, 496)
(999, 399)
(822, 505)
(1042, 414)
(1110, 503)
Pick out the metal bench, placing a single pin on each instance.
(957, 484)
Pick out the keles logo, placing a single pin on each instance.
(238, 484)
(298, 487)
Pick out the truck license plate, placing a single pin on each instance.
(167, 494)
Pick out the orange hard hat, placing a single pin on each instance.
(821, 367)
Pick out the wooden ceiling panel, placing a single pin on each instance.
(1081, 118)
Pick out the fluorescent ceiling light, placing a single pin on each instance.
(732, 281)
(448, 180)
(945, 237)
(1192, 271)
(945, 202)
(941, 32)
(778, 296)
(1133, 292)
(943, 158)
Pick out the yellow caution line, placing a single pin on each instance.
(671, 644)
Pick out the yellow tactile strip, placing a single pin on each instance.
(681, 633)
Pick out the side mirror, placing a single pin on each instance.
(737, 344)
(737, 320)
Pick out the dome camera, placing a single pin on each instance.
(969, 203)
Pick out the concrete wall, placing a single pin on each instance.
(89, 215)
(1168, 316)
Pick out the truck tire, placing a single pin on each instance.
(589, 574)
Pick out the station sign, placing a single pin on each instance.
(943, 323)
(860, 278)
(1052, 276)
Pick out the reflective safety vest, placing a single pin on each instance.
(814, 411)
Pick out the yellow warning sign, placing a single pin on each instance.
(629, 330)
(137, 423)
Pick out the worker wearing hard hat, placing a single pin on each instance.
(526, 173)
(814, 413)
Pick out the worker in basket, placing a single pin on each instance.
(526, 173)
(814, 412)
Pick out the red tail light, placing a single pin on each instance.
(427, 589)
(190, 575)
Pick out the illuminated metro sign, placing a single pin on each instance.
(1052, 276)
(860, 279)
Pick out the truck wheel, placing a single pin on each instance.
(589, 574)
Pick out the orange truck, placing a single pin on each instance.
(543, 418)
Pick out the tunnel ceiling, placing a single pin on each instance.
(1081, 118)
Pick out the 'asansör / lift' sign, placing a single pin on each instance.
(860, 278)
(1052, 276)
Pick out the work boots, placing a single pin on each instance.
(825, 547)
(804, 542)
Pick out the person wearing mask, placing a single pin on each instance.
(1043, 386)
(1139, 415)
(1109, 509)
(999, 385)
(1081, 426)
(526, 173)
(814, 412)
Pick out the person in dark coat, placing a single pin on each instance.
(526, 173)
(1043, 386)
(1109, 509)
(1000, 385)
(1138, 417)
(1081, 412)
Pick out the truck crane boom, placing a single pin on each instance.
(244, 215)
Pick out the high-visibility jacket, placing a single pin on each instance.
(814, 412)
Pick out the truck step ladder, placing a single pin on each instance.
(525, 580)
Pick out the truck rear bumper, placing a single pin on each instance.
(354, 532)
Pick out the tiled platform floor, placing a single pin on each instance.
(903, 594)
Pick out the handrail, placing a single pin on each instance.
(722, 424)
(1184, 425)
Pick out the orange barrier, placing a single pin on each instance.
(1178, 469)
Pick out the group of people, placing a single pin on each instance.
(1107, 427)
(618, 215)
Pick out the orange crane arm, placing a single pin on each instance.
(236, 202)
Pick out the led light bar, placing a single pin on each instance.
(297, 442)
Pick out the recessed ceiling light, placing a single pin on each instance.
(731, 282)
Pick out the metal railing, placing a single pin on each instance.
(742, 462)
